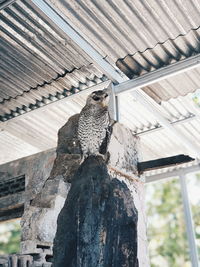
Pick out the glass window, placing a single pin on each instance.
(166, 231)
(10, 232)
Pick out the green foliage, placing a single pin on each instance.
(10, 233)
(168, 244)
(196, 98)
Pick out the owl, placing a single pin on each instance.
(94, 124)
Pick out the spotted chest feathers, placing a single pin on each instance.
(92, 129)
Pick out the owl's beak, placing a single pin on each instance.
(105, 102)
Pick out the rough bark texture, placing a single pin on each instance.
(98, 223)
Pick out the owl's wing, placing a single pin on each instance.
(104, 145)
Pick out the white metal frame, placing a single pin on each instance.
(189, 221)
(158, 75)
(181, 174)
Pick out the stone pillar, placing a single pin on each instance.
(46, 191)
(102, 222)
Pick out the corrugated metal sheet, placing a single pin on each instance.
(13, 148)
(178, 85)
(142, 36)
(40, 64)
(67, 85)
(33, 51)
(37, 131)
(136, 116)
(163, 54)
(36, 54)
(118, 28)
(160, 143)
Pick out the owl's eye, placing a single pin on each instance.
(96, 98)
(106, 95)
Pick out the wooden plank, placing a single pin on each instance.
(163, 163)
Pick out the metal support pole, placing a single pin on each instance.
(114, 104)
(189, 222)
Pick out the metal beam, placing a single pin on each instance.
(115, 75)
(158, 75)
(73, 33)
(156, 110)
(174, 123)
(189, 222)
(172, 173)
(113, 104)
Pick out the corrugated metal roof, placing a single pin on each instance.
(12, 147)
(33, 51)
(118, 28)
(62, 87)
(37, 131)
(193, 166)
(36, 53)
(160, 143)
(136, 117)
(162, 54)
(40, 64)
(173, 87)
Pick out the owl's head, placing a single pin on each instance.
(99, 98)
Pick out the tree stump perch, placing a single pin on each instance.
(98, 225)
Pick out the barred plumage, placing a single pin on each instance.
(94, 121)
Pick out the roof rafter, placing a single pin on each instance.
(174, 172)
(158, 75)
